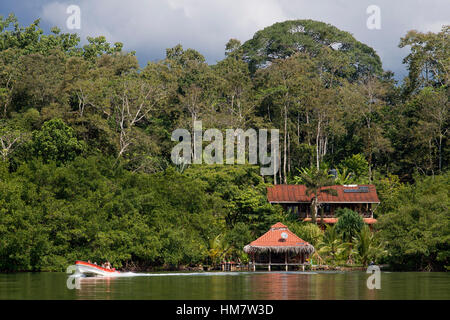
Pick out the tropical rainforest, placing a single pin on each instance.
(85, 147)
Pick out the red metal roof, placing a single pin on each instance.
(334, 220)
(272, 238)
(292, 193)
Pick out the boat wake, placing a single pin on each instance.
(87, 269)
(200, 274)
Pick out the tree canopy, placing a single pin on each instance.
(318, 39)
(85, 145)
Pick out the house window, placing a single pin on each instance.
(293, 209)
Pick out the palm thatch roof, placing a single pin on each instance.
(279, 239)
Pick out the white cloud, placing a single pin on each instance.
(151, 26)
(435, 26)
(156, 25)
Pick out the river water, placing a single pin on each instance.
(228, 285)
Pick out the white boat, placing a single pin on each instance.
(90, 269)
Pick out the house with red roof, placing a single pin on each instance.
(293, 198)
(279, 247)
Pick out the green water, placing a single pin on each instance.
(245, 285)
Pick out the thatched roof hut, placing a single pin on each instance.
(279, 244)
(279, 239)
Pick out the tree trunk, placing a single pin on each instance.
(309, 131)
(321, 215)
(440, 153)
(275, 158)
(315, 211)
(370, 149)
(285, 144)
(279, 171)
(289, 153)
(317, 144)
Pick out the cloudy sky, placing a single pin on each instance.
(151, 26)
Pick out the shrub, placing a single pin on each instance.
(349, 223)
(309, 232)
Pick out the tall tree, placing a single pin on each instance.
(9, 139)
(429, 60)
(366, 100)
(239, 100)
(285, 39)
(316, 182)
(135, 98)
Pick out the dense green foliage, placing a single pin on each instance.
(349, 223)
(85, 143)
(309, 232)
(284, 39)
(90, 209)
(368, 249)
(56, 141)
(417, 231)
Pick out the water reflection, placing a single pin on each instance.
(236, 285)
(95, 287)
(281, 286)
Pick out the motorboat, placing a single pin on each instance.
(91, 269)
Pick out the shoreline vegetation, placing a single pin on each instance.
(85, 144)
(241, 268)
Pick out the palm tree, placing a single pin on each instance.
(343, 176)
(331, 244)
(315, 181)
(366, 247)
(218, 249)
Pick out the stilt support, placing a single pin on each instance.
(285, 260)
